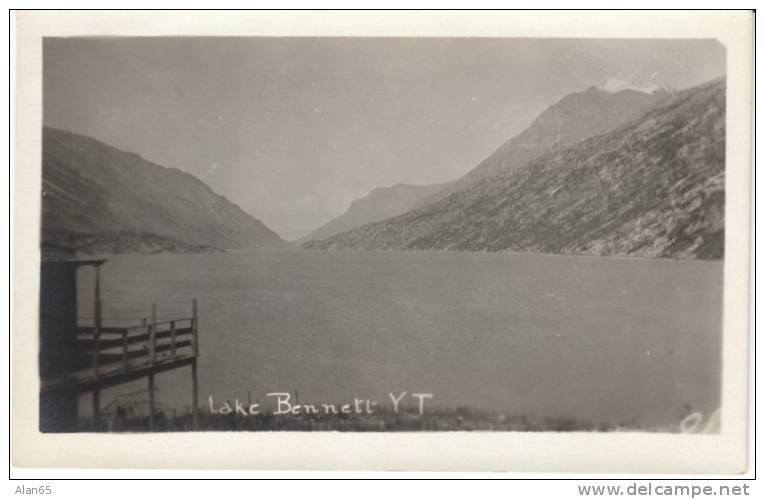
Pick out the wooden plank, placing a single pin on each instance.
(88, 330)
(104, 329)
(84, 380)
(119, 356)
(86, 344)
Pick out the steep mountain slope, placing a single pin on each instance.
(96, 197)
(379, 204)
(652, 188)
(575, 117)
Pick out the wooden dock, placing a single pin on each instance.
(113, 355)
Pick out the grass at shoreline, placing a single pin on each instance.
(382, 420)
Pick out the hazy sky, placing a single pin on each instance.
(294, 129)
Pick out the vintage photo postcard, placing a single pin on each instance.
(499, 241)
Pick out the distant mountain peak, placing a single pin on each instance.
(614, 85)
(575, 117)
(379, 204)
(653, 186)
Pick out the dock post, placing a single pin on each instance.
(96, 409)
(151, 401)
(96, 348)
(153, 347)
(153, 334)
(194, 328)
(195, 396)
(96, 319)
(125, 349)
(172, 338)
(194, 384)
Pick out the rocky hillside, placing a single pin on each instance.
(381, 203)
(651, 188)
(96, 198)
(114, 243)
(575, 117)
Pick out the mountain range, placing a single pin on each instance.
(379, 204)
(575, 117)
(601, 173)
(98, 199)
(628, 173)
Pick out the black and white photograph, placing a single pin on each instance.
(382, 234)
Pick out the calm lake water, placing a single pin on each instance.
(600, 339)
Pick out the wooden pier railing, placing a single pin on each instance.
(112, 355)
(145, 343)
